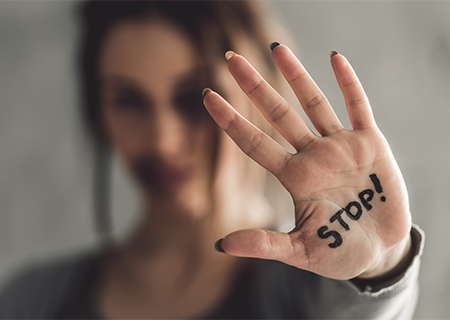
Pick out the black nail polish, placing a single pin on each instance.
(273, 45)
(218, 245)
(205, 92)
(333, 53)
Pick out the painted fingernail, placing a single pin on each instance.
(333, 53)
(229, 54)
(273, 45)
(218, 245)
(205, 92)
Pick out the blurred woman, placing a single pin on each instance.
(352, 252)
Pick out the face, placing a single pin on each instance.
(150, 88)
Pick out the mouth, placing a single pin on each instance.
(172, 176)
(159, 177)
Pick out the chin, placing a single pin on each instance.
(185, 199)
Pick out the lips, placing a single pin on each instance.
(157, 176)
(172, 176)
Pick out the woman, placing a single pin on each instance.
(352, 252)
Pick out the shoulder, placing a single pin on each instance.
(35, 291)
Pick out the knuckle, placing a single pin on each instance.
(232, 124)
(279, 111)
(287, 159)
(351, 83)
(315, 101)
(357, 102)
(255, 86)
(333, 128)
(304, 141)
(254, 143)
(365, 124)
(297, 76)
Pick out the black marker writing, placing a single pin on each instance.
(353, 210)
(365, 196)
(377, 185)
(338, 216)
(323, 235)
(357, 215)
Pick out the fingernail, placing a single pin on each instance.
(205, 92)
(229, 54)
(273, 45)
(218, 245)
(333, 53)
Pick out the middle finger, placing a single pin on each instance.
(311, 98)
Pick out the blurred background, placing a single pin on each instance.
(400, 50)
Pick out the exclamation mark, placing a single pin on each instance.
(377, 185)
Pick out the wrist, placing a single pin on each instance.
(395, 261)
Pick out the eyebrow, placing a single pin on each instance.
(185, 77)
(118, 79)
(193, 79)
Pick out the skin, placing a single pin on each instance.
(156, 127)
(324, 174)
(167, 266)
(146, 276)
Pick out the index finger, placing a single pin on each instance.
(255, 143)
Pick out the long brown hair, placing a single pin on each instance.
(212, 25)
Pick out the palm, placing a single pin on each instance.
(344, 222)
(328, 185)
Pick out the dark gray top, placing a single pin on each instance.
(65, 289)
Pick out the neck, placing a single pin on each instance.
(174, 249)
(164, 227)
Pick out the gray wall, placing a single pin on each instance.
(400, 50)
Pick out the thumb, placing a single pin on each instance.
(263, 244)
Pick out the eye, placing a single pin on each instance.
(190, 105)
(129, 100)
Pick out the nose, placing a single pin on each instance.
(168, 135)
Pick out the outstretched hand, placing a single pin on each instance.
(351, 203)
